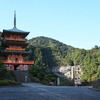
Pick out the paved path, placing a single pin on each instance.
(33, 84)
(34, 91)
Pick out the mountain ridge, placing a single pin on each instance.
(59, 49)
(49, 42)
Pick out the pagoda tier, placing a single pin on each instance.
(15, 39)
(17, 63)
(14, 59)
(14, 33)
(14, 43)
(16, 53)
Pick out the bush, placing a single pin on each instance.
(4, 83)
(8, 75)
(66, 82)
(35, 79)
(86, 83)
(3, 72)
(8, 83)
(1, 78)
(45, 82)
(14, 83)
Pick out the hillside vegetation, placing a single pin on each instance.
(50, 47)
(47, 52)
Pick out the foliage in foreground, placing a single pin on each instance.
(39, 75)
(8, 83)
(4, 73)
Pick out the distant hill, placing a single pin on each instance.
(59, 50)
(48, 42)
(47, 52)
(42, 41)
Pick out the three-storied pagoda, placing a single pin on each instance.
(14, 42)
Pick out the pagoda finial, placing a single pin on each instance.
(15, 19)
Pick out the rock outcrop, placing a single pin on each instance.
(71, 72)
(96, 84)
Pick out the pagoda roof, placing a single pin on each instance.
(15, 30)
(5, 43)
(5, 53)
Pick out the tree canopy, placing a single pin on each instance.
(47, 52)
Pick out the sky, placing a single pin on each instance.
(72, 22)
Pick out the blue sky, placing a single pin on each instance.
(73, 22)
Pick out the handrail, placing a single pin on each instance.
(15, 49)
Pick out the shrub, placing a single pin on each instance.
(8, 75)
(14, 83)
(3, 72)
(8, 83)
(45, 82)
(4, 83)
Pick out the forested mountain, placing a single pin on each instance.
(48, 42)
(47, 52)
(58, 50)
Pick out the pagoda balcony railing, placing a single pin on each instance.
(17, 62)
(15, 39)
(15, 49)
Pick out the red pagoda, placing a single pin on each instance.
(14, 42)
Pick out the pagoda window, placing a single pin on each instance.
(9, 61)
(10, 66)
(16, 59)
(25, 67)
(20, 61)
(9, 58)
